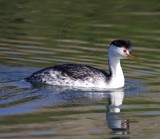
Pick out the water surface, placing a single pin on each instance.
(36, 34)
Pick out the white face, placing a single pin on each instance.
(119, 52)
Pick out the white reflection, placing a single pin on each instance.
(113, 115)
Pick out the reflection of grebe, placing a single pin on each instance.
(114, 121)
(86, 76)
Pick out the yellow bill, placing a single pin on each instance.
(133, 57)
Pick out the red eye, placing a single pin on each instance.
(124, 50)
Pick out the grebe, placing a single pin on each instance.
(77, 75)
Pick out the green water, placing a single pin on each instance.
(37, 34)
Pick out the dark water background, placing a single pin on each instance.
(36, 34)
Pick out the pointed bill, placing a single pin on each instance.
(133, 57)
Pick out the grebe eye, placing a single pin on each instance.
(124, 50)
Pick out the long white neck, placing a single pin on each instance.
(116, 73)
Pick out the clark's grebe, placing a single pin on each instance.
(77, 75)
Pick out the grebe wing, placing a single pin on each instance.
(74, 71)
(78, 71)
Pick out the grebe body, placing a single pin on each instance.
(77, 75)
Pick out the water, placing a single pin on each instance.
(38, 34)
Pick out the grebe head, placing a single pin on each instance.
(121, 49)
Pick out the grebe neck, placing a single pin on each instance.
(116, 74)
